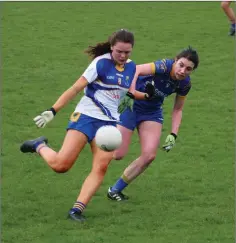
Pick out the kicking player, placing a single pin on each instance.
(106, 80)
(168, 76)
(225, 5)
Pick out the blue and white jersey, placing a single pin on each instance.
(108, 83)
(164, 86)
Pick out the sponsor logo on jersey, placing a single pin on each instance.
(110, 77)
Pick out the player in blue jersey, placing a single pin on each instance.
(105, 81)
(168, 76)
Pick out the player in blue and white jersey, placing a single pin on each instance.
(105, 81)
(168, 76)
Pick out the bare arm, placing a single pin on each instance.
(177, 113)
(70, 93)
(143, 69)
(139, 95)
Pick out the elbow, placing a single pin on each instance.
(138, 70)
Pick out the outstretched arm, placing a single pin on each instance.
(141, 70)
(127, 102)
(67, 96)
(89, 75)
(70, 93)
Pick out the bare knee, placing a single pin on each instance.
(224, 5)
(60, 169)
(100, 168)
(62, 165)
(118, 157)
(119, 154)
(148, 158)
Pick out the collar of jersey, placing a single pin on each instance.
(117, 66)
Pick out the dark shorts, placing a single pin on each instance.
(87, 125)
(132, 119)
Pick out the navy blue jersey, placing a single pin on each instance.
(164, 85)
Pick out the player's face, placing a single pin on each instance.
(121, 52)
(183, 68)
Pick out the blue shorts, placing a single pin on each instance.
(87, 124)
(132, 119)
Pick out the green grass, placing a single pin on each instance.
(187, 195)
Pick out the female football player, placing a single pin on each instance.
(106, 81)
(168, 76)
(225, 5)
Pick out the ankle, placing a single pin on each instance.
(40, 146)
(79, 206)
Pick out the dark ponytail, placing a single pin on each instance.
(105, 47)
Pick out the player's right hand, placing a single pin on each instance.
(42, 120)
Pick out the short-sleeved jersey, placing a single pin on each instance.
(164, 85)
(108, 83)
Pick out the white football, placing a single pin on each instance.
(108, 138)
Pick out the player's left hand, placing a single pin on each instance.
(170, 142)
(44, 118)
(126, 102)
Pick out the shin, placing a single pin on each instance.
(95, 178)
(149, 133)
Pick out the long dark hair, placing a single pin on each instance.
(190, 54)
(105, 47)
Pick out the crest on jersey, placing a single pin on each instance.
(119, 81)
(127, 80)
(162, 65)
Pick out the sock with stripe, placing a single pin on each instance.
(35, 146)
(79, 207)
(121, 184)
(38, 148)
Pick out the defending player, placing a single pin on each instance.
(168, 76)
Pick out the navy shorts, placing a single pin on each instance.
(87, 124)
(132, 119)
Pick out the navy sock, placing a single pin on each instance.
(37, 144)
(79, 207)
(233, 25)
(120, 185)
